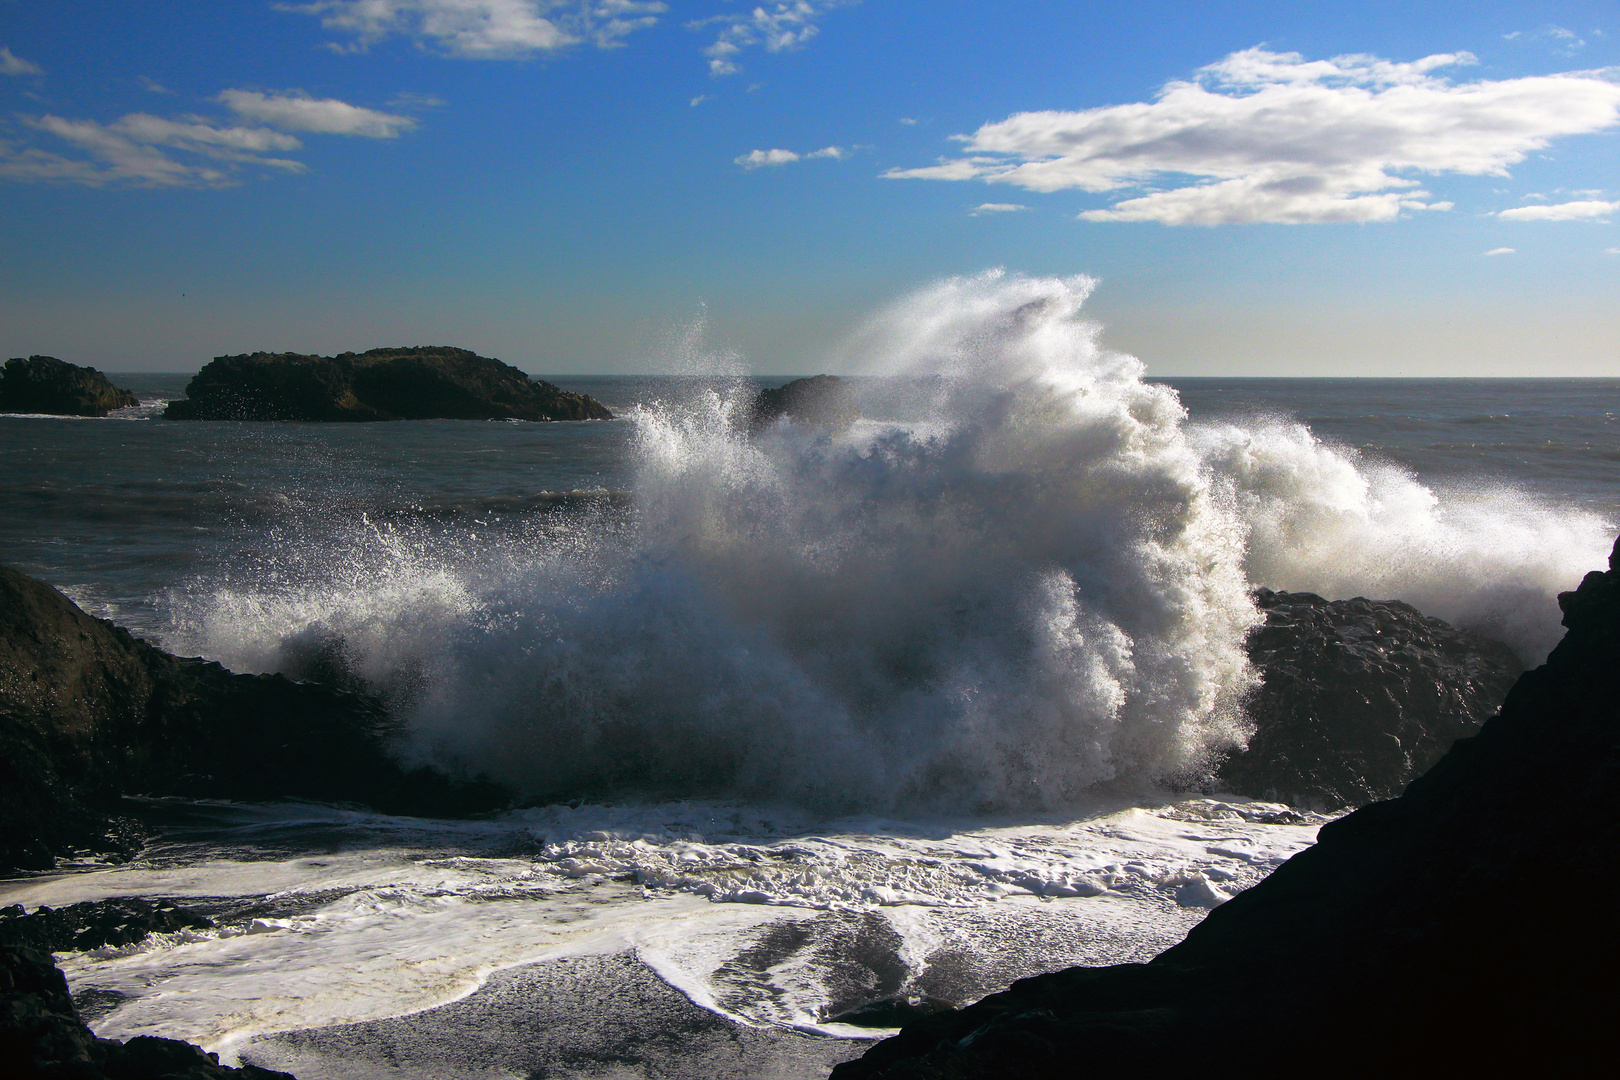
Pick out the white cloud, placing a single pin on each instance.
(1611, 251)
(193, 151)
(997, 208)
(700, 99)
(757, 159)
(1270, 137)
(297, 111)
(12, 64)
(1502, 251)
(1582, 210)
(485, 29)
(780, 27)
(909, 121)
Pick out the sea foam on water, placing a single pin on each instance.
(1022, 578)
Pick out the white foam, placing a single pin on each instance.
(1021, 580)
(392, 928)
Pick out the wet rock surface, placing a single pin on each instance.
(89, 714)
(1359, 698)
(1461, 927)
(95, 924)
(422, 383)
(820, 400)
(44, 384)
(43, 1038)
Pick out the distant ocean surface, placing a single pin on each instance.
(807, 723)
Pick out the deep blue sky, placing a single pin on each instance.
(565, 206)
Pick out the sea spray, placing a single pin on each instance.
(1021, 578)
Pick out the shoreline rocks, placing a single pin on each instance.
(43, 1038)
(89, 714)
(1461, 928)
(1359, 698)
(44, 384)
(421, 383)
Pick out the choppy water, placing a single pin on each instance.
(811, 720)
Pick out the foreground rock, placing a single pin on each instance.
(424, 383)
(1464, 927)
(821, 400)
(44, 384)
(42, 1038)
(1359, 698)
(89, 714)
(95, 924)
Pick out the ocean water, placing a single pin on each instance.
(805, 721)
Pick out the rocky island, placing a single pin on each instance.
(44, 384)
(422, 383)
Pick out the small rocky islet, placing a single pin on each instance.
(46, 385)
(419, 383)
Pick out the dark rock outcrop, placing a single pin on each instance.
(1460, 929)
(42, 1037)
(44, 384)
(1360, 697)
(95, 924)
(821, 400)
(89, 713)
(423, 383)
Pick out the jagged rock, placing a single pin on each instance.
(95, 924)
(89, 713)
(822, 400)
(44, 384)
(422, 383)
(1359, 698)
(1460, 929)
(42, 1038)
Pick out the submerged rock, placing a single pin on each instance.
(422, 383)
(1359, 698)
(89, 713)
(821, 400)
(42, 1037)
(1460, 928)
(44, 384)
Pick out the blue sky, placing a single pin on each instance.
(1310, 189)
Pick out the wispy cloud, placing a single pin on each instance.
(484, 29)
(779, 27)
(759, 159)
(297, 111)
(1580, 210)
(1502, 251)
(996, 208)
(12, 64)
(1611, 251)
(1272, 137)
(144, 150)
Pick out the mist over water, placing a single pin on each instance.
(1021, 579)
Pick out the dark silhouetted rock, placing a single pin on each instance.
(42, 1037)
(1461, 929)
(1360, 697)
(89, 713)
(822, 400)
(44, 384)
(95, 924)
(424, 383)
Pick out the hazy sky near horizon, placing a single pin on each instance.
(1261, 189)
